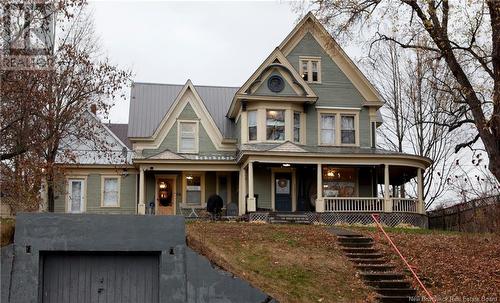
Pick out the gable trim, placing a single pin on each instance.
(275, 55)
(171, 117)
(309, 24)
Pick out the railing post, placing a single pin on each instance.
(320, 203)
(387, 199)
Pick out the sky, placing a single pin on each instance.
(211, 43)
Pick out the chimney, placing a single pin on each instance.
(93, 108)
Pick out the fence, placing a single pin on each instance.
(478, 215)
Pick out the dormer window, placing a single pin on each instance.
(187, 140)
(310, 69)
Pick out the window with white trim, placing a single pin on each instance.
(193, 189)
(188, 133)
(111, 192)
(275, 125)
(296, 127)
(310, 69)
(327, 132)
(252, 125)
(347, 129)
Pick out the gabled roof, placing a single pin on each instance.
(120, 130)
(310, 24)
(278, 60)
(150, 102)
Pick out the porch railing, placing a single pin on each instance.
(361, 204)
(405, 205)
(349, 204)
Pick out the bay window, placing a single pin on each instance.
(296, 127)
(275, 125)
(252, 125)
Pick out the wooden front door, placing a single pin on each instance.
(283, 191)
(165, 196)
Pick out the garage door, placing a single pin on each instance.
(100, 278)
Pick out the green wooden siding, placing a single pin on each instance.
(128, 194)
(263, 90)
(206, 145)
(262, 186)
(335, 90)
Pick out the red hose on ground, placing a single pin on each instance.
(375, 218)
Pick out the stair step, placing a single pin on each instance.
(369, 261)
(389, 283)
(395, 291)
(374, 267)
(394, 299)
(364, 255)
(378, 276)
(357, 244)
(349, 239)
(359, 250)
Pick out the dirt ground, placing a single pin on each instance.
(456, 267)
(292, 263)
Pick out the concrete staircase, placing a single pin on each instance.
(288, 218)
(391, 286)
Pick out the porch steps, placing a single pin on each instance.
(288, 218)
(390, 285)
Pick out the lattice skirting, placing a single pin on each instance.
(389, 219)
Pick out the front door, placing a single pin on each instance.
(283, 191)
(165, 196)
(76, 196)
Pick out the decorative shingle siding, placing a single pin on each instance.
(263, 90)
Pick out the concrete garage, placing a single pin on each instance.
(112, 258)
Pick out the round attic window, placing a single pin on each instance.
(276, 84)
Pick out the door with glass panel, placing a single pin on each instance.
(76, 196)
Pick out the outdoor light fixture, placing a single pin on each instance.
(286, 164)
(163, 185)
(189, 177)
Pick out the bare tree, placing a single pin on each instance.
(461, 36)
(53, 104)
(413, 119)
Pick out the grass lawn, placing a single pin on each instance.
(292, 263)
(458, 267)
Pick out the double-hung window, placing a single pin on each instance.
(327, 132)
(296, 127)
(188, 132)
(275, 125)
(110, 192)
(252, 125)
(310, 69)
(193, 189)
(347, 129)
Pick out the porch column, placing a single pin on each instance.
(251, 197)
(320, 203)
(242, 192)
(420, 191)
(141, 208)
(387, 198)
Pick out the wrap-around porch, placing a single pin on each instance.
(331, 186)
